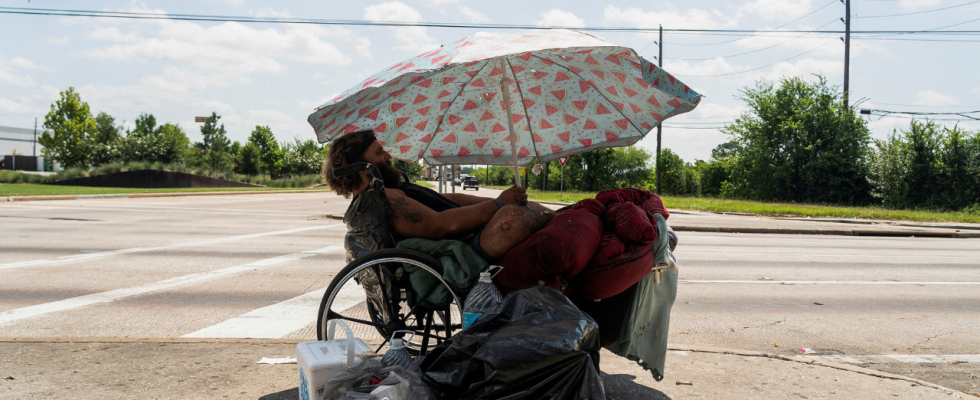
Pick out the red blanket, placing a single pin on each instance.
(600, 246)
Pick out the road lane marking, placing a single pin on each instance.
(104, 254)
(696, 255)
(113, 295)
(280, 319)
(898, 358)
(103, 205)
(779, 282)
(146, 210)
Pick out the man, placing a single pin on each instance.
(492, 226)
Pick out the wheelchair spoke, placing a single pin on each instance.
(333, 315)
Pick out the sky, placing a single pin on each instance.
(276, 74)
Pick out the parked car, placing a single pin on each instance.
(471, 182)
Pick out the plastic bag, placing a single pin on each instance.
(371, 380)
(538, 345)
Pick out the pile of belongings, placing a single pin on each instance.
(600, 247)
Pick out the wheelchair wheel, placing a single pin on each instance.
(392, 304)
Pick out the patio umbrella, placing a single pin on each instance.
(505, 99)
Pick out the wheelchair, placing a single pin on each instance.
(375, 296)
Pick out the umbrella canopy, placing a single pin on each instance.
(505, 99)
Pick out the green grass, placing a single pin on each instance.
(720, 205)
(26, 189)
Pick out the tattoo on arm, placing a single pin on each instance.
(399, 208)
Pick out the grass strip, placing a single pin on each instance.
(721, 205)
(27, 189)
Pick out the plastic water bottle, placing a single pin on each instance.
(397, 354)
(483, 298)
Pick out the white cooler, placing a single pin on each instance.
(317, 362)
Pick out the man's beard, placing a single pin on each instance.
(390, 175)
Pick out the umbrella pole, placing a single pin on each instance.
(505, 89)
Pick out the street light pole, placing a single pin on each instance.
(660, 59)
(847, 49)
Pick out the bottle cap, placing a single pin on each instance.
(397, 344)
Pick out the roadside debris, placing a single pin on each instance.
(805, 350)
(685, 383)
(9, 378)
(819, 304)
(284, 360)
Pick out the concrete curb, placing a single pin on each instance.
(837, 232)
(804, 360)
(142, 195)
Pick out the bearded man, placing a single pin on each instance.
(491, 226)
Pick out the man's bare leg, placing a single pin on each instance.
(510, 226)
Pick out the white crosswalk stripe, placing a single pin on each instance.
(113, 295)
(104, 254)
(280, 319)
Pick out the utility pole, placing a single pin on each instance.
(660, 59)
(34, 148)
(847, 48)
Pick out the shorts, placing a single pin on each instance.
(475, 245)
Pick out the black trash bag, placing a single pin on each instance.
(538, 345)
(369, 229)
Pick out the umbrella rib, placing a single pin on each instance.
(642, 134)
(527, 115)
(438, 125)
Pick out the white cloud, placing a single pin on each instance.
(362, 46)
(919, 4)
(23, 63)
(692, 69)
(283, 125)
(804, 68)
(8, 73)
(781, 10)
(16, 80)
(687, 19)
(234, 2)
(556, 17)
(473, 15)
(112, 34)
(818, 45)
(59, 41)
(437, 3)
(931, 98)
(229, 47)
(414, 38)
(270, 13)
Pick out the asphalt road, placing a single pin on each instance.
(255, 265)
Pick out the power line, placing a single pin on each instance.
(811, 13)
(764, 66)
(920, 12)
(218, 18)
(887, 113)
(17, 140)
(756, 50)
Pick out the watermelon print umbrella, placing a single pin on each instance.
(505, 99)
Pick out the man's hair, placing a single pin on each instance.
(346, 150)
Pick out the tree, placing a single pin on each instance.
(676, 176)
(214, 151)
(247, 159)
(104, 145)
(306, 158)
(71, 125)
(148, 142)
(800, 143)
(412, 169)
(927, 166)
(270, 157)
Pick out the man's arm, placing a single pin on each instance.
(465, 199)
(415, 220)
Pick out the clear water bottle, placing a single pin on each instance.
(397, 354)
(482, 299)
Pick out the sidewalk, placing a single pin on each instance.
(697, 221)
(214, 369)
